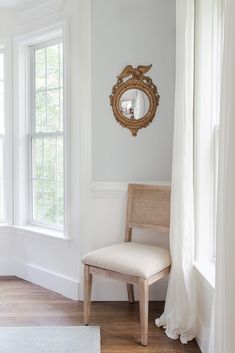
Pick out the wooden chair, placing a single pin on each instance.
(148, 206)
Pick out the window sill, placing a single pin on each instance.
(207, 271)
(39, 232)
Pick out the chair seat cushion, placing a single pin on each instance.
(130, 258)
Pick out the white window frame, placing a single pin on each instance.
(6, 49)
(2, 140)
(32, 134)
(208, 57)
(22, 109)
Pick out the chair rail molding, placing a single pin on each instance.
(101, 189)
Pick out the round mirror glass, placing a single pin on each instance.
(134, 104)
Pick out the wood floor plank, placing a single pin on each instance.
(25, 304)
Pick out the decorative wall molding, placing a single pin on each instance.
(117, 189)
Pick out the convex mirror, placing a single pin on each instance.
(134, 98)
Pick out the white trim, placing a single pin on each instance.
(7, 50)
(37, 231)
(38, 12)
(67, 139)
(44, 34)
(22, 46)
(208, 56)
(85, 85)
(84, 116)
(56, 282)
(33, 135)
(117, 189)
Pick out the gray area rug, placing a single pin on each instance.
(50, 339)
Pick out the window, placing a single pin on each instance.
(46, 135)
(2, 137)
(208, 58)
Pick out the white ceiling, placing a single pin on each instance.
(13, 3)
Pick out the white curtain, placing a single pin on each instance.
(223, 338)
(179, 317)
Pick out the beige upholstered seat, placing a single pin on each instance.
(148, 206)
(132, 259)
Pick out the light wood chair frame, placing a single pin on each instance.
(142, 283)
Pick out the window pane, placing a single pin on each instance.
(38, 158)
(60, 159)
(47, 138)
(40, 69)
(60, 203)
(61, 66)
(38, 201)
(50, 211)
(41, 124)
(50, 158)
(49, 88)
(53, 66)
(48, 185)
(53, 110)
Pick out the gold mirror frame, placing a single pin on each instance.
(137, 80)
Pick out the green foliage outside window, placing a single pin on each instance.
(47, 141)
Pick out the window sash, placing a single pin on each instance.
(44, 135)
(2, 181)
(208, 57)
(2, 148)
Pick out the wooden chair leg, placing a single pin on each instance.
(87, 293)
(130, 292)
(144, 304)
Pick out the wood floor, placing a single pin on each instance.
(25, 304)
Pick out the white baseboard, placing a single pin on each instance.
(58, 283)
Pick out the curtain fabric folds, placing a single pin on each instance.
(179, 317)
(223, 321)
